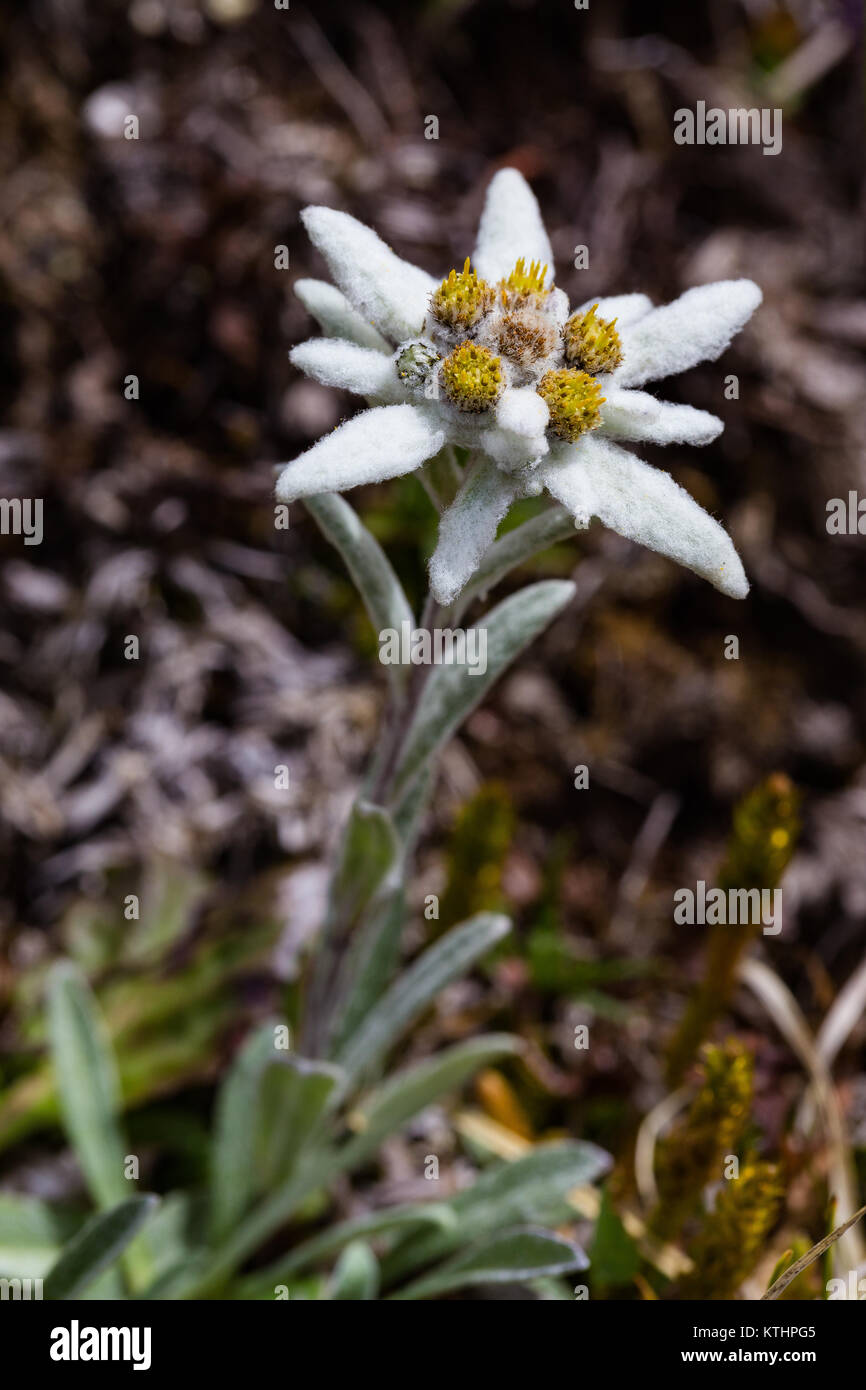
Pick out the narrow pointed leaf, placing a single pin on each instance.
(415, 990)
(509, 1257)
(371, 571)
(86, 1083)
(452, 692)
(96, 1247)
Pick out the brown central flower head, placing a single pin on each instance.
(525, 335)
(591, 343)
(472, 377)
(462, 299)
(574, 400)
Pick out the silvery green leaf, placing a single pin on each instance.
(31, 1235)
(295, 1099)
(368, 854)
(356, 1274)
(531, 1188)
(96, 1247)
(232, 1176)
(508, 1257)
(371, 571)
(452, 692)
(408, 1092)
(370, 960)
(410, 995)
(373, 1223)
(87, 1083)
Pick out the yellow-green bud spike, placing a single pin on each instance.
(462, 299)
(591, 343)
(524, 282)
(472, 377)
(574, 400)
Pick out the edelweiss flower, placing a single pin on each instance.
(491, 359)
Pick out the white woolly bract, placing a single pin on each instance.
(600, 479)
(636, 415)
(468, 528)
(522, 411)
(624, 308)
(697, 327)
(381, 286)
(510, 228)
(335, 315)
(381, 443)
(351, 368)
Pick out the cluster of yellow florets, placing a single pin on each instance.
(517, 318)
(524, 283)
(591, 343)
(574, 400)
(472, 377)
(462, 299)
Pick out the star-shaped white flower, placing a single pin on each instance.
(492, 360)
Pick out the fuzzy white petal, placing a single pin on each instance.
(647, 506)
(510, 227)
(636, 415)
(697, 327)
(468, 527)
(625, 308)
(336, 363)
(380, 443)
(335, 315)
(382, 287)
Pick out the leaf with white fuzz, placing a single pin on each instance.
(510, 228)
(468, 527)
(336, 317)
(646, 505)
(452, 692)
(377, 282)
(697, 327)
(636, 415)
(385, 442)
(334, 362)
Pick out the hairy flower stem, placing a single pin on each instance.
(397, 720)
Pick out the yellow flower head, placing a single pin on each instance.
(462, 298)
(472, 377)
(591, 343)
(574, 400)
(524, 283)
